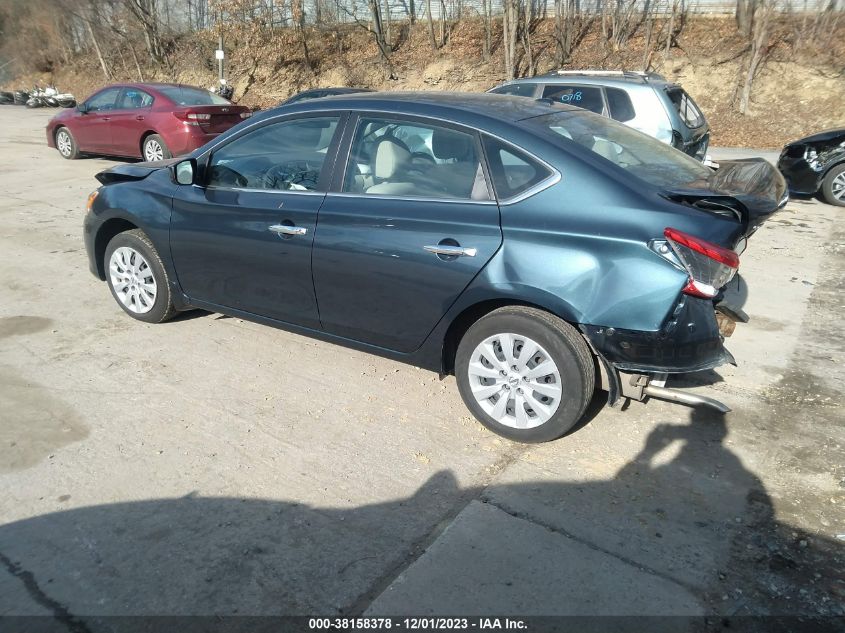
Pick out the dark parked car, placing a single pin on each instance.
(643, 101)
(318, 93)
(150, 121)
(816, 164)
(531, 249)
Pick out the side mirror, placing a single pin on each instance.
(185, 172)
(82, 108)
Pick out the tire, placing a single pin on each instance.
(66, 144)
(132, 259)
(544, 417)
(833, 186)
(154, 148)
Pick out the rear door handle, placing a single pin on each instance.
(446, 249)
(284, 229)
(140, 117)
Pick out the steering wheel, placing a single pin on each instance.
(222, 175)
(297, 176)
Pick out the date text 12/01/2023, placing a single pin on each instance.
(417, 624)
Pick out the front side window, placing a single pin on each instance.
(635, 152)
(284, 156)
(587, 97)
(518, 90)
(686, 108)
(104, 100)
(186, 95)
(132, 98)
(513, 172)
(391, 157)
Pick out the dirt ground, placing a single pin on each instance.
(212, 466)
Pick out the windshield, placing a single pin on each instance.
(185, 95)
(637, 153)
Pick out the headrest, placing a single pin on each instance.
(448, 144)
(390, 156)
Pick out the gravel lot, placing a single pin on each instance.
(214, 466)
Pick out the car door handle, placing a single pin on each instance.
(105, 118)
(139, 117)
(284, 229)
(447, 249)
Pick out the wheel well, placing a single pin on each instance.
(464, 321)
(56, 131)
(109, 229)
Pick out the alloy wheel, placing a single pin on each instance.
(63, 143)
(132, 280)
(837, 187)
(153, 150)
(514, 380)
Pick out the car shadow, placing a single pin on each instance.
(685, 508)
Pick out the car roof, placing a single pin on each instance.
(597, 77)
(492, 106)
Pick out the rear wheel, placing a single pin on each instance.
(525, 374)
(66, 144)
(154, 148)
(833, 186)
(137, 278)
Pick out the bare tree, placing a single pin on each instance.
(146, 12)
(745, 15)
(510, 35)
(760, 48)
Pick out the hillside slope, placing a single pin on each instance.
(800, 89)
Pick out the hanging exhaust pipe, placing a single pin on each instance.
(691, 399)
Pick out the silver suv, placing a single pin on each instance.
(644, 101)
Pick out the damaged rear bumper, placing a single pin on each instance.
(634, 364)
(689, 341)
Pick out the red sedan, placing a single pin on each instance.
(149, 121)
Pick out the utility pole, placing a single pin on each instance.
(220, 56)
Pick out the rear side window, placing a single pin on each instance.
(394, 157)
(518, 90)
(284, 156)
(513, 172)
(619, 104)
(187, 95)
(587, 97)
(686, 108)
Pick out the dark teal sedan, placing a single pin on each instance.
(536, 251)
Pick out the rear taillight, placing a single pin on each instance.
(193, 118)
(709, 265)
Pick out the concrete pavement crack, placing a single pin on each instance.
(59, 611)
(623, 559)
(419, 546)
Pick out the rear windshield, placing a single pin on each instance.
(637, 153)
(686, 107)
(185, 95)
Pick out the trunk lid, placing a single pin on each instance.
(212, 119)
(749, 189)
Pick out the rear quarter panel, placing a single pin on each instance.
(580, 248)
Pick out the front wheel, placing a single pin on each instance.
(66, 144)
(525, 374)
(137, 278)
(154, 148)
(833, 186)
